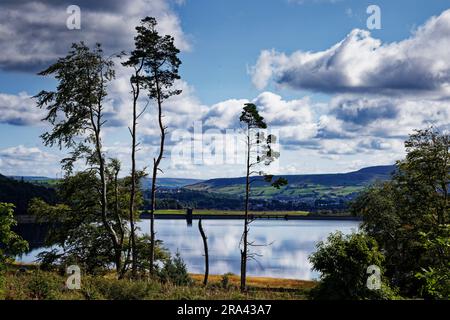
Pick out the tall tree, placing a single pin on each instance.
(414, 203)
(136, 61)
(156, 64)
(258, 152)
(75, 111)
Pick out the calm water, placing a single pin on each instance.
(285, 256)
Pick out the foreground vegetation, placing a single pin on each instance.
(33, 284)
(405, 234)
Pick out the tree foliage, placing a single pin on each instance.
(436, 276)
(157, 57)
(77, 228)
(342, 262)
(259, 152)
(11, 244)
(415, 202)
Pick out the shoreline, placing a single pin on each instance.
(287, 217)
(28, 219)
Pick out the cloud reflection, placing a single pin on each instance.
(287, 256)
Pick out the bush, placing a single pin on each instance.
(343, 262)
(2, 287)
(112, 289)
(436, 279)
(225, 280)
(44, 286)
(11, 244)
(175, 271)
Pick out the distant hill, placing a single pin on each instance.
(20, 192)
(311, 192)
(169, 183)
(301, 186)
(30, 178)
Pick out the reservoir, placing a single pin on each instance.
(281, 248)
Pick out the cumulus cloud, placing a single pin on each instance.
(351, 116)
(34, 33)
(22, 160)
(275, 110)
(19, 110)
(363, 64)
(179, 112)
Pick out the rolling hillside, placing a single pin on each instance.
(301, 186)
(168, 183)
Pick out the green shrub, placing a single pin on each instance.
(2, 287)
(44, 286)
(225, 280)
(343, 262)
(11, 244)
(112, 289)
(436, 277)
(175, 271)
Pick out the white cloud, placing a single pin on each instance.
(19, 110)
(22, 160)
(363, 64)
(286, 115)
(353, 116)
(33, 34)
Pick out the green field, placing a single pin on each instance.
(291, 191)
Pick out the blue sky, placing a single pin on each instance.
(349, 115)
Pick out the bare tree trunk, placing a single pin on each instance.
(152, 218)
(205, 245)
(133, 183)
(156, 163)
(119, 220)
(104, 203)
(96, 124)
(245, 235)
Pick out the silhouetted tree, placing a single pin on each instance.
(75, 112)
(411, 210)
(258, 152)
(205, 246)
(138, 82)
(155, 58)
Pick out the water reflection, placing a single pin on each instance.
(287, 256)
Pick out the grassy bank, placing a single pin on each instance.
(213, 214)
(39, 285)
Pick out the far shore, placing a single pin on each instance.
(228, 215)
(238, 215)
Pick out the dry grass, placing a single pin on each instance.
(260, 282)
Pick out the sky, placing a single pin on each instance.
(339, 94)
